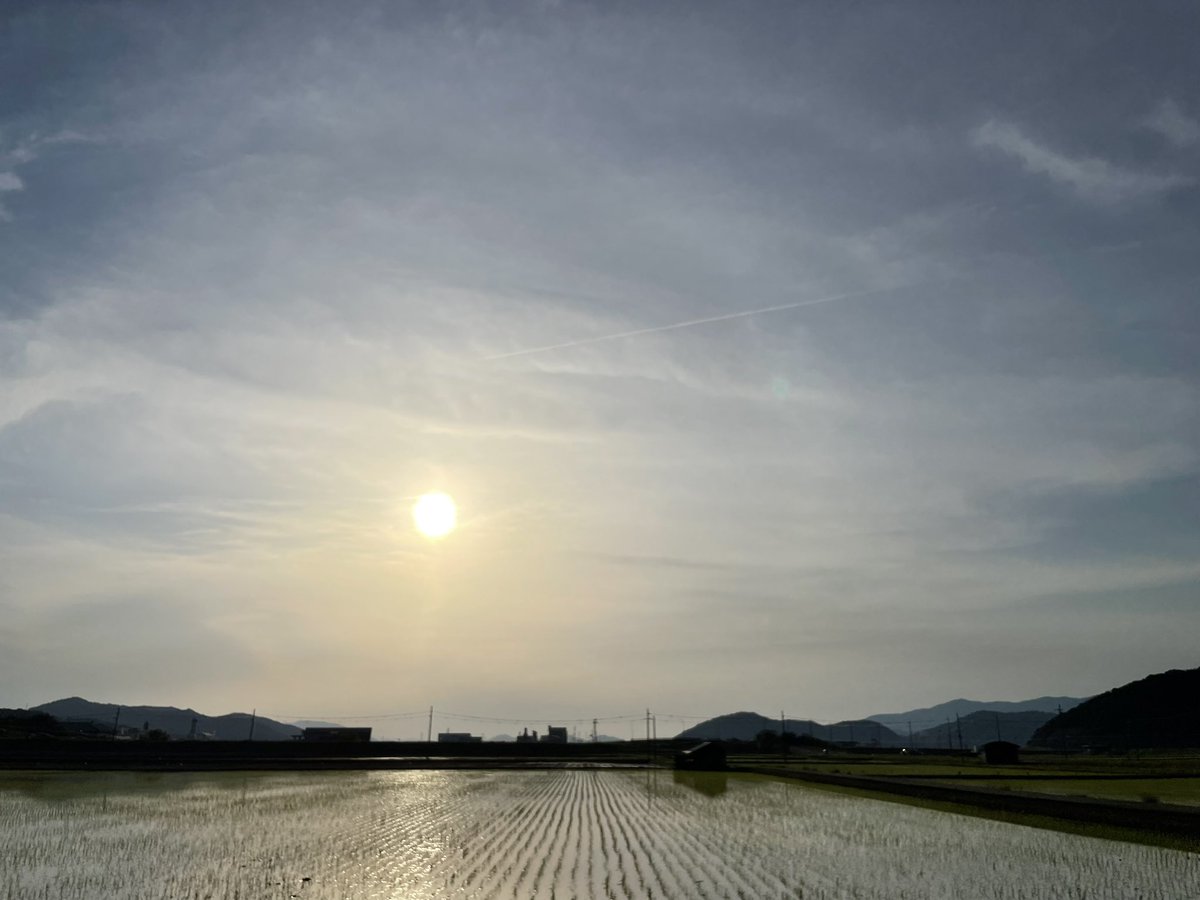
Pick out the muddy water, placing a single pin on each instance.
(562, 834)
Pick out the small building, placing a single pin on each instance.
(526, 738)
(554, 735)
(355, 735)
(1000, 753)
(458, 737)
(706, 757)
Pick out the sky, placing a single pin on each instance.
(834, 359)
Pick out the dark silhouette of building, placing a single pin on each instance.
(526, 738)
(1000, 753)
(360, 735)
(458, 737)
(706, 757)
(554, 735)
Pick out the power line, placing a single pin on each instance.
(507, 719)
(309, 716)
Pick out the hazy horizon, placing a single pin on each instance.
(418, 725)
(831, 360)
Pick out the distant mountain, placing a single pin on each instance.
(1157, 711)
(315, 723)
(979, 728)
(738, 726)
(175, 722)
(745, 726)
(935, 716)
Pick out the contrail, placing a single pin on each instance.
(833, 298)
(725, 317)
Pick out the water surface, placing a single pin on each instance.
(562, 834)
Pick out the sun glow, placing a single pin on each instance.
(435, 515)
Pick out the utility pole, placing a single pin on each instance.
(593, 731)
(958, 722)
(782, 736)
(253, 716)
(116, 723)
(429, 732)
(1064, 745)
(649, 746)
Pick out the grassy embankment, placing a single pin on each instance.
(1168, 780)
(1153, 778)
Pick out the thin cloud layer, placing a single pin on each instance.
(806, 341)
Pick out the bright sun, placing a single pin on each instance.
(435, 514)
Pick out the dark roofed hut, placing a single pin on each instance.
(331, 734)
(706, 757)
(1000, 753)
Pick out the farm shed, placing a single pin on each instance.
(458, 737)
(706, 757)
(1000, 753)
(337, 734)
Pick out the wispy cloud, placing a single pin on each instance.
(1174, 124)
(26, 151)
(9, 181)
(1093, 179)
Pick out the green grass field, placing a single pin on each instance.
(1160, 766)
(1159, 778)
(1184, 791)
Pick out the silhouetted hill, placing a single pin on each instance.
(175, 722)
(738, 726)
(934, 717)
(745, 726)
(1158, 711)
(979, 728)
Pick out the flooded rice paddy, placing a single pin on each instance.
(558, 834)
